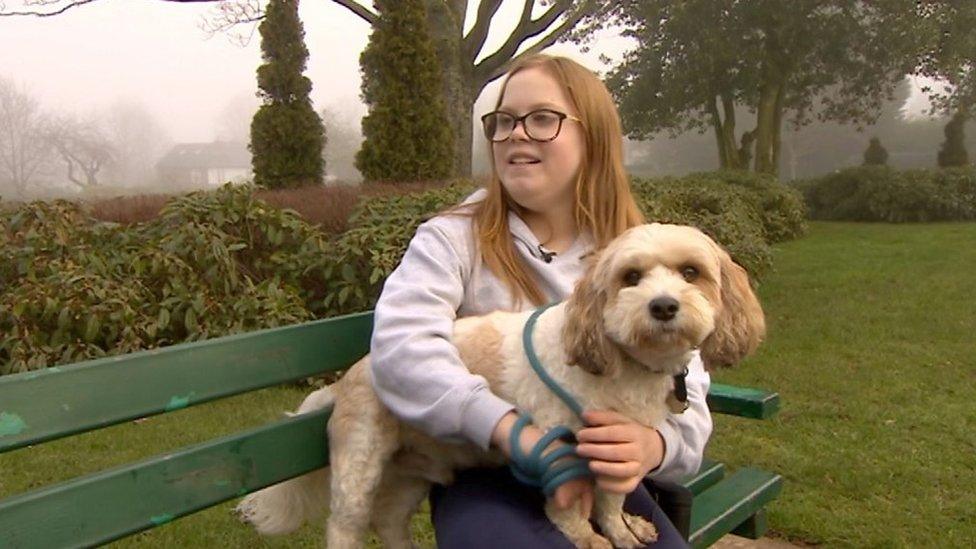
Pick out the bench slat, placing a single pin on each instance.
(60, 401)
(153, 492)
(742, 401)
(708, 474)
(731, 502)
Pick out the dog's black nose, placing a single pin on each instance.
(664, 308)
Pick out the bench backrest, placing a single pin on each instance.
(57, 402)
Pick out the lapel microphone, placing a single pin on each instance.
(546, 254)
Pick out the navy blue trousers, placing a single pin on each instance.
(488, 509)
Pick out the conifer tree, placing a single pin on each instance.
(953, 151)
(287, 136)
(875, 155)
(407, 136)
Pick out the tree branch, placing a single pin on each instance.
(475, 40)
(63, 8)
(359, 10)
(498, 63)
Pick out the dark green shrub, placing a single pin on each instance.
(381, 228)
(719, 210)
(875, 193)
(875, 154)
(779, 206)
(953, 152)
(75, 288)
(407, 135)
(287, 135)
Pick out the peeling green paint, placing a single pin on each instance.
(177, 402)
(11, 424)
(161, 519)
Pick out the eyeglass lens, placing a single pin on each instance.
(539, 125)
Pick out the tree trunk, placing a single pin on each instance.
(728, 154)
(723, 156)
(766, 131)
(778, 126)
(458, 78)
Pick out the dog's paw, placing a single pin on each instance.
(594, 541)
(629, 532)
(642, 528)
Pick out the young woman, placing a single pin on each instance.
(558, 190)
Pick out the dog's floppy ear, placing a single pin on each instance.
(740, 325)
(584, 334)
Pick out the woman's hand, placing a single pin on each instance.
(567, 494)
(621, 451)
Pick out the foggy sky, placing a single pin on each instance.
(155, 53)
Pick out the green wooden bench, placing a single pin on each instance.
(40, 406)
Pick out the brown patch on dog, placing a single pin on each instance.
(584, 334)
(740, 325)
(480, 347)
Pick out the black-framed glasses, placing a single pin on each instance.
(540, 125)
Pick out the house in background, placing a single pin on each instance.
(205, 164)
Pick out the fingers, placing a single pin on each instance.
(617, 486)
(604, 417)
(610, 452)
(610, 433)
(625, 469)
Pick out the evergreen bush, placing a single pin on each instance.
(287, 136)
(407, 136)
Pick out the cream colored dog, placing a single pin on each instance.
(650, 298)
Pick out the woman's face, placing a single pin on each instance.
(540, 176)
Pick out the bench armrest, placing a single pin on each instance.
(742, 401)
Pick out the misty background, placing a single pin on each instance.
(142, 78)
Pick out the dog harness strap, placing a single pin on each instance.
(537, 366)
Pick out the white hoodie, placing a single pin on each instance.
(417, 371)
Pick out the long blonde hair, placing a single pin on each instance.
(605, 206)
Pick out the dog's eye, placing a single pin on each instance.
(632, 277)
(689, 273)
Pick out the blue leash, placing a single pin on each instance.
(537, 366)
(536, 469)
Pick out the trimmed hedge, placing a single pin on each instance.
(879, 193)
(215, 263)
(745, 212)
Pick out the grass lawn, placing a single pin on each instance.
(870, 345)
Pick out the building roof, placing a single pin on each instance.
(219, 154)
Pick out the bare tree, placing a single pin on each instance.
(345, 138)
(82, 146)
(466, 66)
(234, 121)
(23, 147)
(49, 8)
(137, 140)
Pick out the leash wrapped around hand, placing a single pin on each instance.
(541, 470)
(538, 469)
